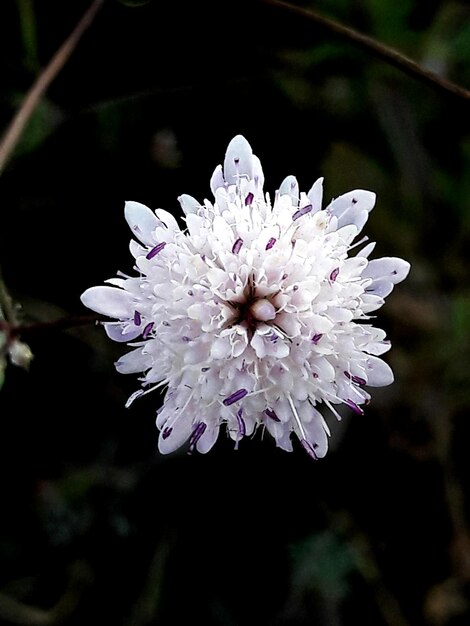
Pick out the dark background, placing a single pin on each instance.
(95, 525)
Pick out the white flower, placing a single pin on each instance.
(254, 315)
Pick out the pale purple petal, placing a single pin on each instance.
(110, 301)
(116, 332)
(142, 221)
(188, 204)
(290, 187)
(315, 195)
(379, 373)
(238, 161)
(393, 269)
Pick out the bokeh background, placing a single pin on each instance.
(95, 525)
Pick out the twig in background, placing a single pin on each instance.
(379, 50)
(14, 130)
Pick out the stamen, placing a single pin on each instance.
(241, 427)
(297, 419)
(332, 409)
(356, 379)
(272, 414)
(167, 432)
(316, 338)
(235, 397)
(303, 211)
(334, 274)
(237, 245)
(249, 199)
(147, 330)
(154, 251)
(137, 318)
(270, 243)
(356, 408)
(309, 449)
(196, 435)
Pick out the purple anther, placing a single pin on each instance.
(155, 250)
(190, 292)
(196, 435)
(316, 338)
(249, 199)
(334, 274)
(303, 211)
(237, 245)
(355, 407)
(186, 338)
(356, 379)
(241, 423)
(166, 433)
(270, 243)
(147, 330)
(309, 449)
(273, 337)
(272, 414)
(315, 375)
(235, 397)
(205, 369)
(284, 276)
(165, 323)
(137, 318)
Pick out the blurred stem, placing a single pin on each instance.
(28, 33)
(15, 330)
(377, 49)
(16, 127)
(7, 310)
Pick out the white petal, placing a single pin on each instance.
(290, 187)
(188, 204)
(315, 195)
(379, 373)
(258, 175)
(217, 179)
(142, 221)
(207, 439)
(392, 268)
(110, 301)
(367, 250)
(238, 161)
(167, 219)
(359, 198)
(180, 432)
(382, 288)
(117, 332)
(317, 436)
(133, 362)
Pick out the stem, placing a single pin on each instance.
(64, 323)
(7, 310)
(16, 127)
(379, 50)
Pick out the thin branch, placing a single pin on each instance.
(379, 50)
(13, 132)
(64, 323)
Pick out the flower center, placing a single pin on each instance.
(262, 310)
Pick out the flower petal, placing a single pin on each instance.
(315, 195)
(142, 221)
(110, 301)
(379, 373)
(120, 333)
(238, 161)
(393, 269)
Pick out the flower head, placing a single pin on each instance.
(255, 315)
